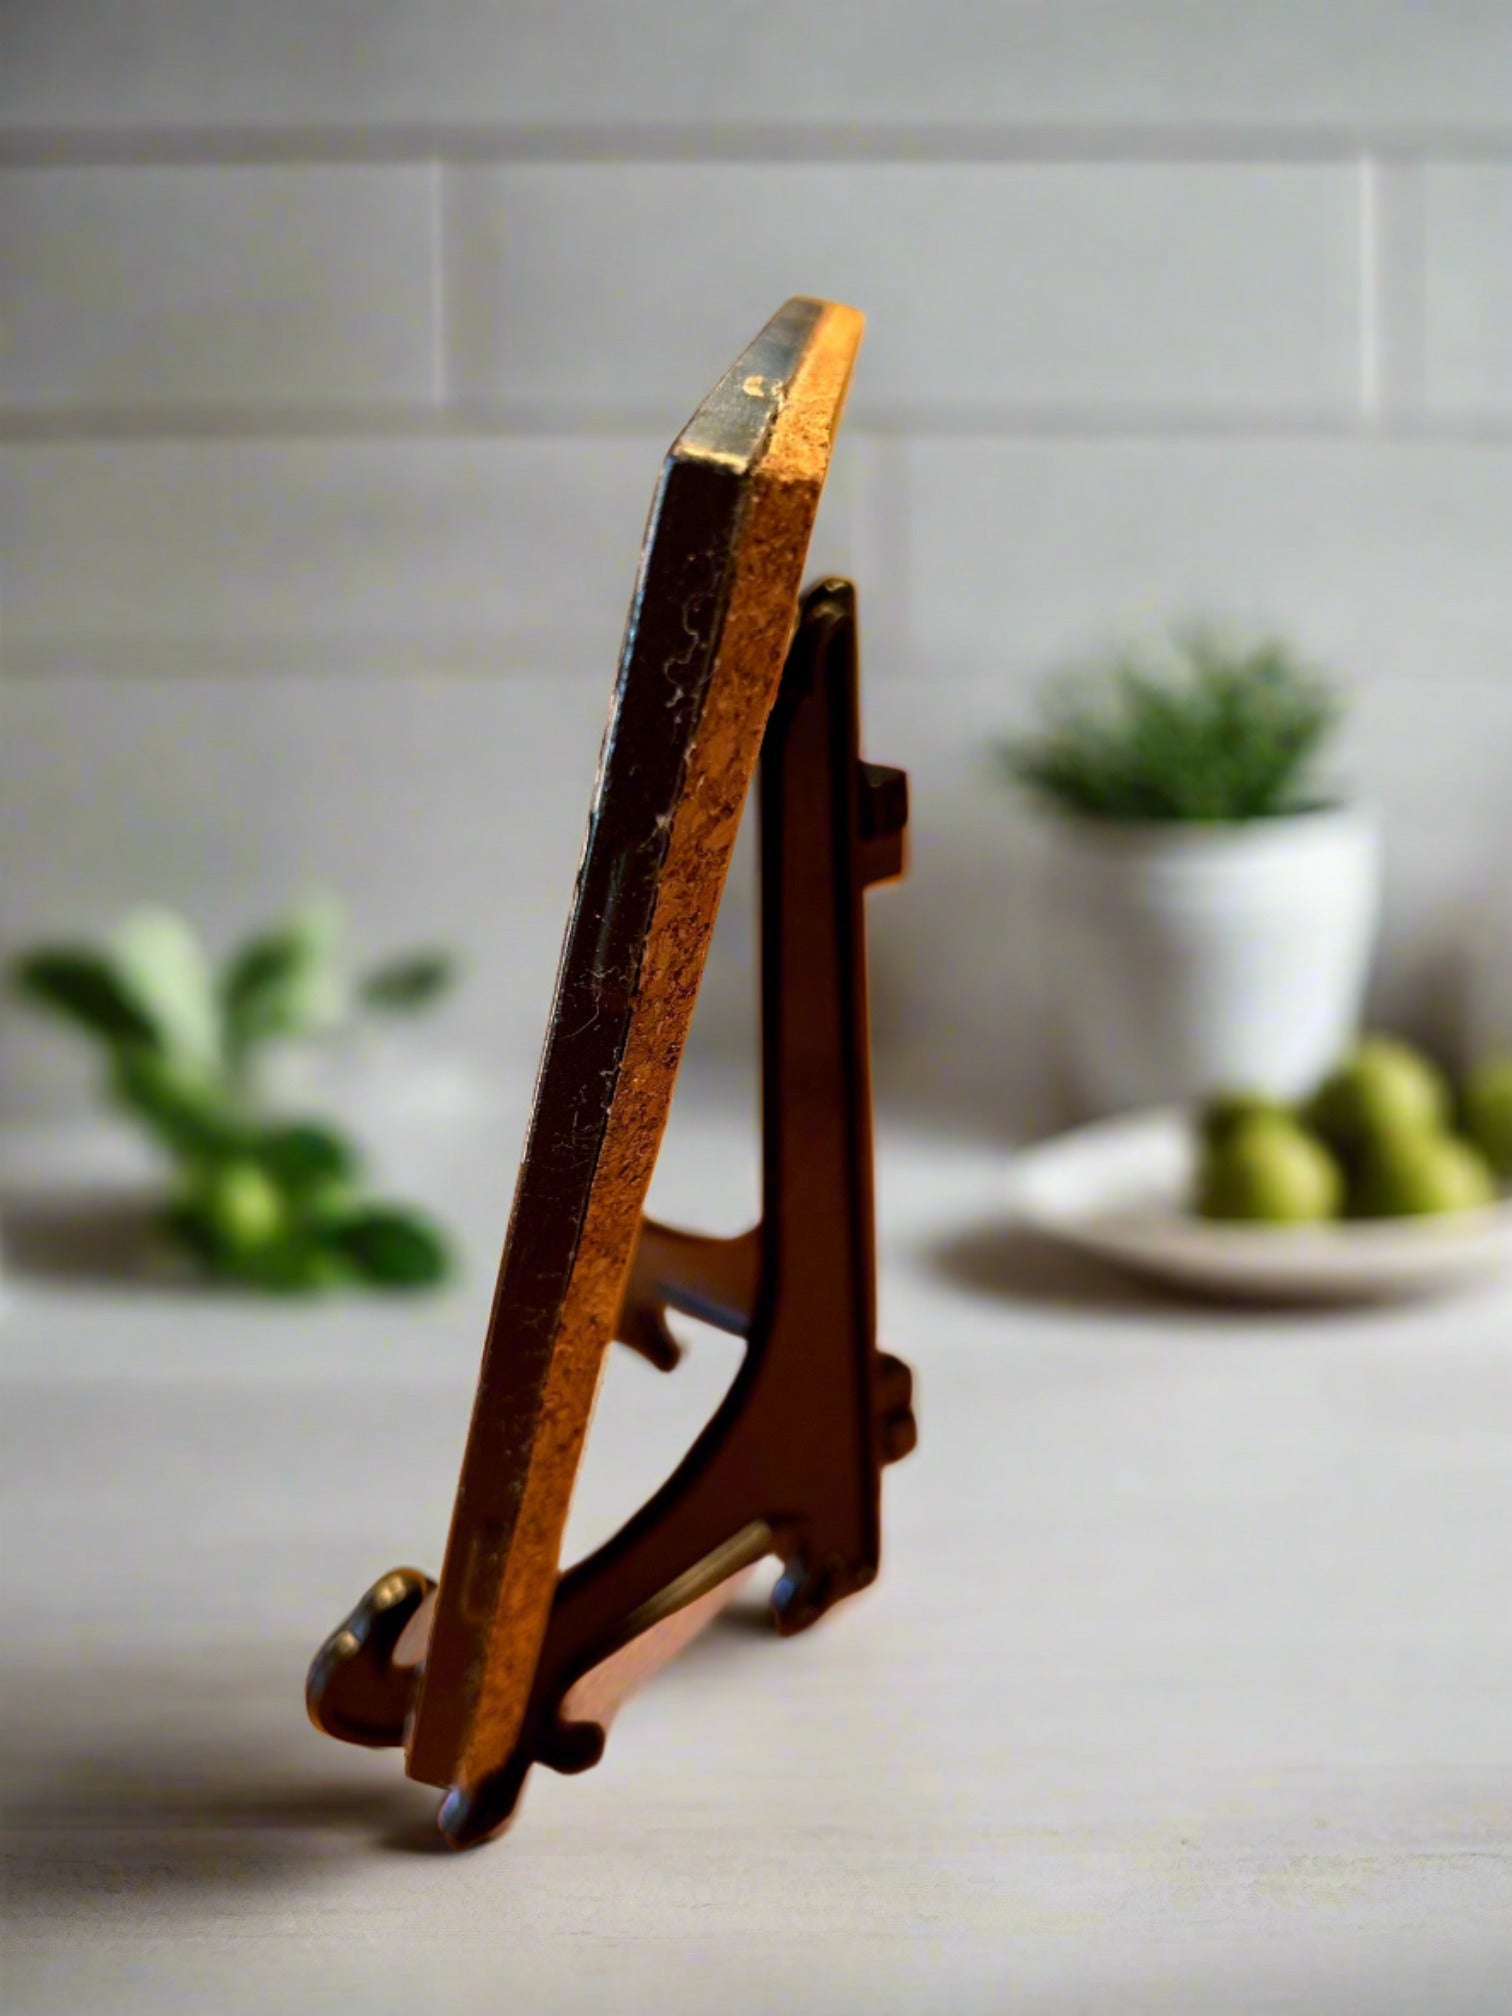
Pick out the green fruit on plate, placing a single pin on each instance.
(1407, 1175)
(1488, 1112)
(1383, 1087)
(1268, 1170)
(1225, 1112)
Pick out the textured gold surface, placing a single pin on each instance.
(512, 1569)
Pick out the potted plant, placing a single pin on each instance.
(1211, 908)
(257, 1196)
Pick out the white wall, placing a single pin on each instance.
(342, 341)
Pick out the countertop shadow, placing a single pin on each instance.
(146, 1781)
(102, 1237)
(1012, 1264)
(999, 1258)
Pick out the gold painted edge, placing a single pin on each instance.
(786, 484)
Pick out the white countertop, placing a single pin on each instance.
(1187, 1685)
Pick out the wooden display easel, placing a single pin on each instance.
(509, 1662)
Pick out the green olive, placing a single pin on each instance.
(1383, 1087)
(1488, 1112)
(1406, 1175)
(1269, 1170)
(1226, 1111)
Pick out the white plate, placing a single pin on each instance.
(1120, 1189)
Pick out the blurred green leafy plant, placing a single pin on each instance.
(256, 1198)
(1212, 731)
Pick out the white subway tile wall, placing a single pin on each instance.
(353, 546)
(443, 809)
(996, 286)
(1469, 283)
(346, 66)
(1389, 558)
(241, 286)
(341, 344)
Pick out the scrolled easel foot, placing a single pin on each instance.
(360, 1689)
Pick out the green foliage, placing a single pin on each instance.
(388, 1244)
(163, 967)
(187, 1107)
(83, 987)
(284, 982)
(408, 983)
(1221, 733)
(264, 1200)
(308, 1159)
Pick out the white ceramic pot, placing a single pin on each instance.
(1186, 959)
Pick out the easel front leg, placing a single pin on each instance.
(362, 1681)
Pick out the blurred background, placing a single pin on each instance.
(342, 342)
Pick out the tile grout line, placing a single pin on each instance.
(440, 265)
(1396, 415)
(750, 142)
(506, 658)
(1370, 288)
